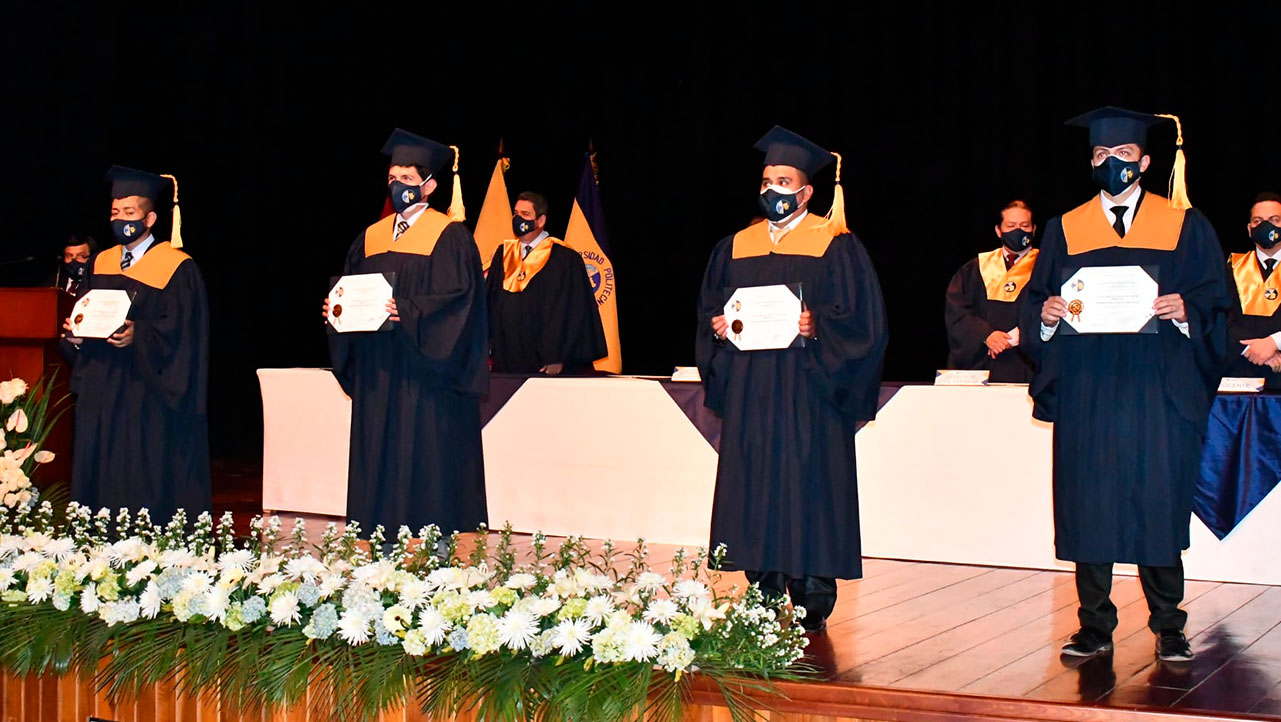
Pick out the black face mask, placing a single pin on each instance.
(1115, 175)
(1265, 235)
(403, 195)
(521, 226)
(128, 231)
(74, 269)
(1016, 240)
(778, 206)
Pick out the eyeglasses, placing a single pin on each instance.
(1274, 220)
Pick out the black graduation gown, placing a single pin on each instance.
(141, 429)
(1129, 410)
(971, 317)
(1243, 326)
(786, 496)
(415, 390)
(553, 320)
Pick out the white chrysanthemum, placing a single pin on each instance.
(7, 578)
(306, 569)
(593, 582)
(571, 636)
(285, 610)
(516, 629)
(27, 561)
(598, 608)
(641, 643)
(149, 602)
(521, 582)
(478, 576)
(89, 599)
(661, 611)
(197, 583)
(39, 589)
(59, 548)
(481, 599)
(413, 593)
(94, 568)
(140, 572)
(650, 581)
(433, 625)
(330, 584)
(217, 601)
(238, 560)
(690, 588)
(353, 627)
(397, 618)
(446, 578)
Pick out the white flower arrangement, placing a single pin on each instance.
(23, 429)
(596, 609)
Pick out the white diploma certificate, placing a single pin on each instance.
(359, 302)
(764, 317)
(1111, 299)
(100, 313)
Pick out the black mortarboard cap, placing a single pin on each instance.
(783, 147)
(405, 148)
(132, 182)
(1110, 127)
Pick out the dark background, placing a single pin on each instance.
(272, 118)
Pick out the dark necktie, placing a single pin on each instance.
(1010, 258)
(401, 227)
(524, 251)
(126, 260)
(1119, 225)
(1268, 265)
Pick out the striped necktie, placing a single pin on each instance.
(401, 227)
(126, 260)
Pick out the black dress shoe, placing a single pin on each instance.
(1172, 646)
(814, 625)
(1087, 643)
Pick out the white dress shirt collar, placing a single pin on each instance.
(776, 231)
(525, 248)
(1131, 205)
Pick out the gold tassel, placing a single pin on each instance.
(175, 237)
(456, 211)
(836, 215)
(1178, 174)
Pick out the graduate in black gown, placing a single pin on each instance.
(542, 311)
(786, 499)
(982, 305)
(1129, 409)
(415, 388)
(141, 430)
(1254, 321)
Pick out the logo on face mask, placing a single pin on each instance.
(782, 207)
(1273, 235)
(130, 230)
(1127, 175)
(407, 196)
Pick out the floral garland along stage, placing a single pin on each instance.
(571, 634)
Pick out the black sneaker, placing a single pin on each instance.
(1087, 643)
(1172, 646)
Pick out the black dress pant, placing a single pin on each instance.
(1162, 586)
(816, 594)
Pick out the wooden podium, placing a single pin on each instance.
(30, 327)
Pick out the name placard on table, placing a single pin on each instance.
(1239, 385)
(961, 377)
